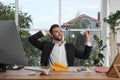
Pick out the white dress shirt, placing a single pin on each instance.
(58, 54)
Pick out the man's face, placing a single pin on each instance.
(57, 34)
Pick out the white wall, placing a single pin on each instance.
(118, 36)
(114, 5)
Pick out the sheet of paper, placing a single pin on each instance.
(42, 70)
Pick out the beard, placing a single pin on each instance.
(57, 38)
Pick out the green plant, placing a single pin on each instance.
(96, 57)
(99, 60)
(113, 20)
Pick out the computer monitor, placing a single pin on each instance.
(114, 70)
(11, 49)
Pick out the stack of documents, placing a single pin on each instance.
(42, 70)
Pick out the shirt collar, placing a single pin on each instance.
(63, 42)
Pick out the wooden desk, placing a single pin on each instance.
(66, 75)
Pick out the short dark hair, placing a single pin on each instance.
(53, 26)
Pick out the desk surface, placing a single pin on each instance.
(66, 75)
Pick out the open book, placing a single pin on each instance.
(36, 68)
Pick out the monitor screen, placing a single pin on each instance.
(11, 49)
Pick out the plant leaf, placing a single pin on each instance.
(103, 47)
(100, 43)
(101, 56)
(96, 38)
(96, 61)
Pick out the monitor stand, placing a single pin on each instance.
(2, 67)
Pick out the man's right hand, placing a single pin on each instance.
(87, 35)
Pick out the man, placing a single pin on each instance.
(58, 50)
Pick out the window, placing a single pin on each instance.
(73, 16)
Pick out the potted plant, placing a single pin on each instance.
(113, 20)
